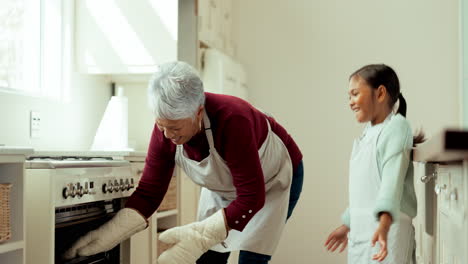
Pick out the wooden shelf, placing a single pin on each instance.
(12, 171)
(11, 246)
(167, 213)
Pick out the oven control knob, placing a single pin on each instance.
(79, 190)
(107, 187)
(122, 185)
(127, 185)
(110, 187)
(65, 193)
(72, 192)
(86, 190)
(116, 186)
(132, 184)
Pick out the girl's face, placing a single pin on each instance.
(368, 104)
(182, 130)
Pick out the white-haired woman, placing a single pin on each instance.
(248, 165)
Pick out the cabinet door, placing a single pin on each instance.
(141, 243)
(215, 26)
(452, 242)
(189, 196)
(123, 37)
(141, 246)
(225, 27)
(206, 21)
(424, 227)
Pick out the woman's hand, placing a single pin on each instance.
(380, 235)
(338, 237)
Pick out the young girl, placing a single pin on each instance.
(382, 200)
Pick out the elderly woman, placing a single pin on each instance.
(248, 165)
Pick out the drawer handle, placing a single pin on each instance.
(453, 195)
(439, 188)
(428, 178)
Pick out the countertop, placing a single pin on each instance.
(137, 153)
(30, 152)
(78, 153)
(13, 150)
(136, 156)
(446, 146)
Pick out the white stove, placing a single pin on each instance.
(68, 193)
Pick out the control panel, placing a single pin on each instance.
(94, 184)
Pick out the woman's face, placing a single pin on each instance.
(182, 130)
(361, 99)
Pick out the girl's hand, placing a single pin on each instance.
(338, 237)
(380, 235)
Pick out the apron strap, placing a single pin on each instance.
(268, 124)
(208, 131)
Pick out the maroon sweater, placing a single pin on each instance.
(239, 130)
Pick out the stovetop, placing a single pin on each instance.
(54, 162)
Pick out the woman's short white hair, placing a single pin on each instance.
(175, 91)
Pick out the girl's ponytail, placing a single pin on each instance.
(401, 105)
(419, 137)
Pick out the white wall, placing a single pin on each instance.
(140, 117)
(64, 125)
(299, 54)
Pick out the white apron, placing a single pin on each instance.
(262, 233)
(364, 184)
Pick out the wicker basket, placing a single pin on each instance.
(162, 246)
(170, 200)
(5, 228)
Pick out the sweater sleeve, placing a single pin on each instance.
(393, 150)
(241, 156)
(154, 182)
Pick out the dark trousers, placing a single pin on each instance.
(247, 257)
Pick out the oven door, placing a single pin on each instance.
(72, 222)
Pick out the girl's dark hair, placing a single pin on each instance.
(381, 74)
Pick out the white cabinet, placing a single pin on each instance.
(424, 221)
(442, 188)
(215, 24)
(12, 171)
(144, 246)
(125, 37)
(221, 74)
(441, 224)
(452, 225)
(189, 196)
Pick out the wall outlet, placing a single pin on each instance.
(35, 124)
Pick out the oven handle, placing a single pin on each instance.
(85, 220)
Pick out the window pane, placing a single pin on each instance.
(19, 44)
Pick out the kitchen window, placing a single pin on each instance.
(31, 47)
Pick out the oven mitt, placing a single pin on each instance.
(122, 226)
(192, 240)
